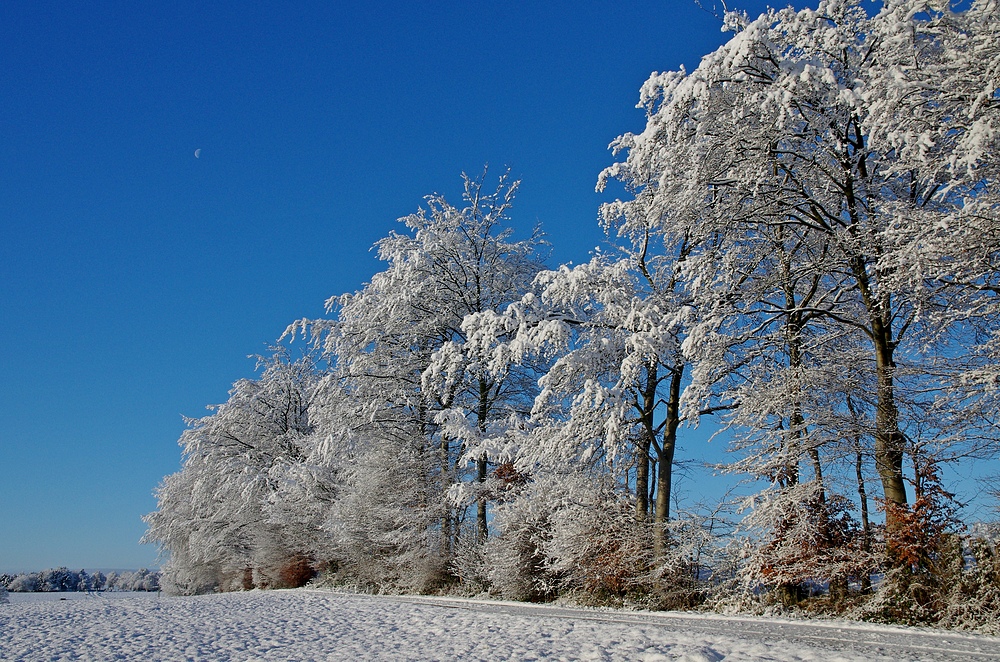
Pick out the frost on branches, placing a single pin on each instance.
(805, 262)
(807, 203)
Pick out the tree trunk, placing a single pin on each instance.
(645, 442)
(866, 526)
(652, 483)
(793, 345)
(866, 580)
(665, 462)
(642, 487)
(444, 465)
(889, 441)
(482, 526)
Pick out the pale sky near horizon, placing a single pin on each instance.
(136, 277)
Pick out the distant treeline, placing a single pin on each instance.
(63, 579)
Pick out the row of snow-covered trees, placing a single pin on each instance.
(56, 580)
(807, 261)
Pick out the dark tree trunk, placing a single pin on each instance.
(482, 526)
(645, 443)
(665, 462)
(889, 440)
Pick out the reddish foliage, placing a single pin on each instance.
(509, 475)
(611, 569)
(816, 540)
(296, 572)
(509, 481)
(915, 539)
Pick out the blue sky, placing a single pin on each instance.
(135, 279)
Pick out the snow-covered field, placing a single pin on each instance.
(320, 625)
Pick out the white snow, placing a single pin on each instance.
(321, 625)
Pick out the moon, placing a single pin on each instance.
(197, 153)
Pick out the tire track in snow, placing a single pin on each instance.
(843, 636)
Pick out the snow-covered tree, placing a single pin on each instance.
(768, 158)
(612, 393)
(611, 330)
(398, 345)
(211, 517)
(935, 112)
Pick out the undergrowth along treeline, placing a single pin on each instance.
(807, 260)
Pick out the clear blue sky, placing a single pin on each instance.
(135, 278)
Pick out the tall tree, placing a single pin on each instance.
(614, 327)
(394, 341)
(211, 516)
(935, 109)
(768, 133)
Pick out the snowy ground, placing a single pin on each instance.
(319, 625)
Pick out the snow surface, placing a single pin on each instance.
(321, 625)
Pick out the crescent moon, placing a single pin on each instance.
(197, 153)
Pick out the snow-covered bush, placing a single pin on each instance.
(925, 557)
(597, 546)
(569, 533)
(516, 563)
(382, 524)
(182, 577)
(4, 598)
(470, 566)
(695, 561)
(808, 543)
(972, 602)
